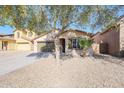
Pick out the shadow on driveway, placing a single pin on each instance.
(65, 57)
(42, 54)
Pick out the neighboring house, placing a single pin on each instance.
(21, 40)
(24, 39)
(7, 42)
(111, 41)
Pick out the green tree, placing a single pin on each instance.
(41, 18)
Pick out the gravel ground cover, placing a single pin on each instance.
(82, 72)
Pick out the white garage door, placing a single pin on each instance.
(23, 46)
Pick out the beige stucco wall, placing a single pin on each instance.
(48, 37)
(43, 38)
(22, 44)
(0, 45)
(96, 47)
(25, 34)
(33, 34)
(21, 40)
(22, 33)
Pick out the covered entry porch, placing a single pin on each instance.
(69, 46)
(67, 42)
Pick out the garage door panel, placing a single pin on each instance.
(23, 46)
(46, 46)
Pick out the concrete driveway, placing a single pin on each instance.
(12, 60)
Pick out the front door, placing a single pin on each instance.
(4, 45)
(62, 41)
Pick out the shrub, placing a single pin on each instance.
(85, 43)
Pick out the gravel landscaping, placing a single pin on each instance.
(72, 72)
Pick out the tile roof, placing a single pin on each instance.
(84, 32)
(7, 38)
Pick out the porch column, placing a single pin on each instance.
(0, 45)
(66, 45)
(31, 45)
(57, 49)
(35, 46)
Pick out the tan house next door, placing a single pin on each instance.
(4, 45)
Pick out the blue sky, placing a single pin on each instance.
(9, 30)
(6, 29)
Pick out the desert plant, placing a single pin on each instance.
(85, 44)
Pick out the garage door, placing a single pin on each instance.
(23, 46)
(11, 45)
(45, 46)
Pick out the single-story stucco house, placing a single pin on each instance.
(68, 41)
(60, 41)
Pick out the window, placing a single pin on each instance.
(18, 35)
(30, 34)
(74, 43)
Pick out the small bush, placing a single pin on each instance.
(85, 43)
(122, 53)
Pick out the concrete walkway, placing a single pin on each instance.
(12, 60)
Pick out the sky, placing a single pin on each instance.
(6, 29)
